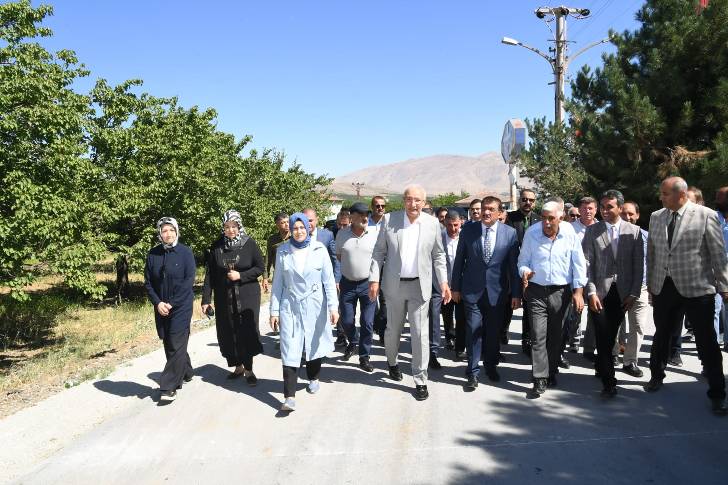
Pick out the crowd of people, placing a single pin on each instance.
(566, 267)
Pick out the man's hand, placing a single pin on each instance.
(628, 303)
(164, 308)
(595, 304)
(578, 299)
(233, 275)
(266, 285)
(373, 290)
(334, 317)
(338, 288)
(456, 296)
(274, 323)
(515, 303)
(445, 291)
(205, 307)
(526, 277)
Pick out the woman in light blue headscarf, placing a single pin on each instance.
(303, 303)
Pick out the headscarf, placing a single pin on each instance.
(299, 216)
(234, 216)
(168, 221)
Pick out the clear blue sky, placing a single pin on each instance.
(337, 85)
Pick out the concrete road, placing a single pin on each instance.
(365, 428)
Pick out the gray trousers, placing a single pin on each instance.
(638, 315)
(408, 301)
(548, 305)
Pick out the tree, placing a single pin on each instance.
(448, 200)
(49, 210)
(659, 105)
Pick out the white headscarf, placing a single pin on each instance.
(168, 221)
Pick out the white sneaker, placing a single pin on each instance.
(313, 386)
(289, 404)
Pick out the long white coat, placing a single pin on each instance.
(302, 302)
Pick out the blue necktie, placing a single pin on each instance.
(487, 249)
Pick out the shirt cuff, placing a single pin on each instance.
(523, 270)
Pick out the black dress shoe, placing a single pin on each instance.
(574, 348)
(472, 383)
(421, 393)
(492, 374)
(434, 363)
(676, 360)
(395, 373)
(340, 341)
(719, 407)
(589, 356)
(235, 375)
(633, 370)
(251, 380)
(564, 362)
(609, 392)
(615, 361)
(188, 378)
(450, 345)
(539, 385)
(654, 385)
(350, 350)
(460, 355)
(552, 382)
(365, 365)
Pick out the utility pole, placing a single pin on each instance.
(560, 61)
(358, 186)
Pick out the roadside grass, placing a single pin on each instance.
(75, 340)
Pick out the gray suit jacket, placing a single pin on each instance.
(696, 261)
(602, 267)
(387, 262)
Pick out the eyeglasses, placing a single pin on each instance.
(379, 206)
(526, 199)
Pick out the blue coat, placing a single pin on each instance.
(169, 275)
(471, 276)
(302, 302)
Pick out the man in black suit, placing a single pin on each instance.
(485, 274)
(520, 220)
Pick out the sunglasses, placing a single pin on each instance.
(526, 199)
(380, 206)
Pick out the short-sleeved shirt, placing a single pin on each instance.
(355, 253)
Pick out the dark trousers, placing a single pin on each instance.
(290, 376)
(351, 293)
(668, 309)
(606, 327)
(454, 331)
(482, 334)
(547, 306)
(380, 315)
(178, 364)
(526, 322)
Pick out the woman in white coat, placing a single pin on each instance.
(303, 303)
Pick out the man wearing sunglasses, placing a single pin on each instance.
(520, 220)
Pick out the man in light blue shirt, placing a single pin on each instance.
(553, 272)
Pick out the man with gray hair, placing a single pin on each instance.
(686, 267)
(553, 272)
(407, 252)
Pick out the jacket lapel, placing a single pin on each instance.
(687, 219)
(479, 240)
(400, 232)
(604, 237)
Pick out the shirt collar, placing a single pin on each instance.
(493, 227)
(617, 225)
(407, 222)
(681, 210)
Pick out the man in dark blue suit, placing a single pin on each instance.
(326, 237)
(485, 277)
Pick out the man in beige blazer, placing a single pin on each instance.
(614, 252)
(686, 266)
(408, 249)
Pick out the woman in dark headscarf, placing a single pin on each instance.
(169, 275)
(234, 263)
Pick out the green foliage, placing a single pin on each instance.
(48, 208)
(552, 161)
(31, 320)
(447, 200)
(84, 175)
(659, 105)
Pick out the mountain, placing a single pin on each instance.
(438, 174)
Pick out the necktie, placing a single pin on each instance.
(614, 241)
(526, 222)
(487, 249)
(671, 229)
